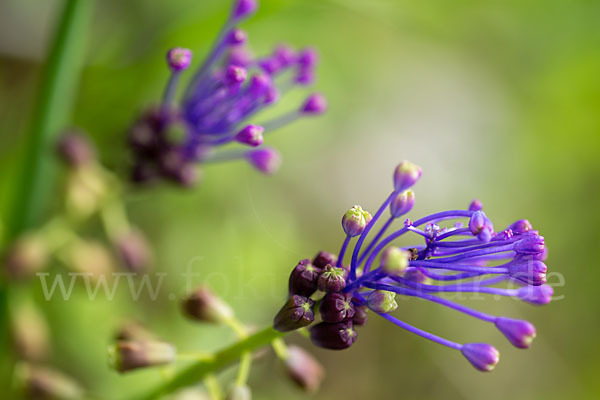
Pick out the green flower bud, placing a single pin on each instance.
(382, 301)
(394, 261)
(355, 221)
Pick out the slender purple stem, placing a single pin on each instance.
(375, 240)
(452, 267)
(343, 251)
(422, 333)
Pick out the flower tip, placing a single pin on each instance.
(355, 220)
(315, 104)
(243, 8)
(265, 160)
(402, 203)
(308, 57)
(531, 244)
(338, 336)
(236, 37)
(520, 226)
(234, 75)
(481, 226)
(179, 58)
(537, 295)
(406, 175)
(531, 272)
(482, 356)
(519, 332)
(394, 261)
(296, 313)
(382, 301)
(475, 205)
(251, 135)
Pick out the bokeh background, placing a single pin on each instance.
(497, 100)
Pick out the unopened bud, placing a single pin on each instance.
(402, 203)
(520, 226)
(482, 356)
(44, 383)
(323, 258)
(126, 356)
(304, 279)
(531, 244)
(537, 295)
(519, 332)
(30, 332)
(75, 149)
(315, 104)
(179, 58)
(332, 279)
(26, 256)
(406, 175)
(133, 331)
(355, 220)
(252, 135)
(531, 272)
(304, 369)
(296, 313)
(337, 336)
(475, 205)
(360, 315)
(394, 261)
(203, 305)
(382, 301)
(266, 160)
(134, 251)
(336, 307)
(243, 8)
(481, 226)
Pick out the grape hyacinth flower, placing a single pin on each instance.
(460, 251)
(224, 95)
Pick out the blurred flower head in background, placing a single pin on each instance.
(228, 89)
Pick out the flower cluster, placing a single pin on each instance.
(461, 252)
(224, 94)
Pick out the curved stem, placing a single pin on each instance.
(340, 261)
(199, 370)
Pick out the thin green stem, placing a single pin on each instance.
(199, 370)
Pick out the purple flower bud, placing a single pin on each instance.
(537, 295)
(44, 383)
(270, 65)
(134, 250)
(304, 369)
(305, 76)
(203, 305)
(541, 256)
(475, 205)
(239, 55)
(236, 37)
(337, 336)
(406, 175)
(519, 332)
(260, 84)
(531, 244)
(315, 104)
(360, 315)
(323, 259)
(129, 355)
(402, 203)
(332, 280)
(304, 279)
(520, 226)
(336, 307)
(285, 55)
(308, 57)
(234, 75)
(296, 313)
(355, 220)
(482, 356)
(243, 8)
(414, 274)
(272, 95)
(179, 58)
(532, 272)
(252, 135)
(75, 150)
(481, 226)
(382, 301)
(394, 261)
(266, 160)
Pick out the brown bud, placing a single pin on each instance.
(125, 356)
(75, 149)
(38, 383)
(132, 330)
(203, 305)
(304, 369)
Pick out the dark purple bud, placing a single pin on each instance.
(402, 203)
(243, 8)
(415, 275)
(304, 369)
(520, 226)
(336, 307)
(234, 75)
(236, 37)
(134, 250)
(296, 313)
(266, 160)
(531, 244)
(203, 305)
(252, 135)
(43, 383)
(304, 279)
(519, 332)
(537, 295)
(179, 58)
(481, 226)
(75, 149)
(308, 57)
(382, 301)
(337, 336)
(406, 175)
(143, 172)
(360, 315)
(482, 356)
(531, 272)
(315, 104)
(475, 205)
(355, 220)
(323, 259)
(126, 356)
(332, 280)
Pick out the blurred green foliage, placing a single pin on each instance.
(495, 100)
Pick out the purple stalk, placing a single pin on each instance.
(375, 240)
(467, 268)
(422, 333)
(343, 251)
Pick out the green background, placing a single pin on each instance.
(495, 100)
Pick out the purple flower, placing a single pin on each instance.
(229, 89)
(458, 252)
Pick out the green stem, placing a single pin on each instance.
(199, 370)
(52, 111)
